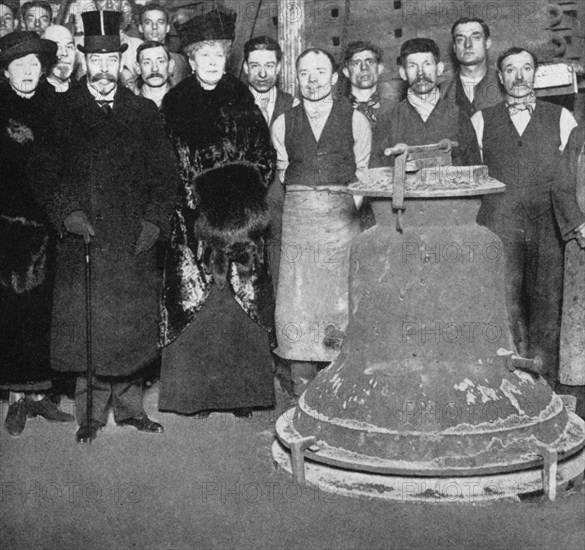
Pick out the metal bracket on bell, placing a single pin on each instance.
(297, 450)
(513, 362)
(400, 151)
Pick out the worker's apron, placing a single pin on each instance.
(318, 226)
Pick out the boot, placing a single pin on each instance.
(16, 417)
(48, 410)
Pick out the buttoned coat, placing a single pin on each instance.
(120, 170)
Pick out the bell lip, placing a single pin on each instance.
(571, 441)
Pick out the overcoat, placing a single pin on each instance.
(222, 137)
(217, 306)
(120, 170)
(26, 246)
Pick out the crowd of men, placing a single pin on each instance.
(135, 148)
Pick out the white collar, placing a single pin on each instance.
(99, 97)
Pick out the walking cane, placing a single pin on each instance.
(88, 336)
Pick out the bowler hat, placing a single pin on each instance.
(102, 32)
(214, 25)
(20, 43)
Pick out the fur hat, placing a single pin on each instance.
(214, 25)
(102, 32)
(20, 43)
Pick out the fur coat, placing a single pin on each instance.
(23, 231)
(220, 224)
(26, 244)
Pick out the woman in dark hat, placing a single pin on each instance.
(217, 310)
(26, 245)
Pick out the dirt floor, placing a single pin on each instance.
(211, 484)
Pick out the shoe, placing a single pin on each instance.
(16, 417)
(48, 410)
(143, 424)
(243, 412)
(88, 432)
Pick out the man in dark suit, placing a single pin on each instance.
(523, 140)
(262, 57)
(108, 172)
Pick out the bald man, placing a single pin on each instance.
(60, 74)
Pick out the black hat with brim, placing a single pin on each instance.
(102, 32)
(214, 25)
(21, 43)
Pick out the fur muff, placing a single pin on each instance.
(23, 253)
(232, 215)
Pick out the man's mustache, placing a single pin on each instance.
(517, 83)
(103, 76)
(420, 79)
(154, 75)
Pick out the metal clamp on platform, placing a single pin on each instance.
(297, 449)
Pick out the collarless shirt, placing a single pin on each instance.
(270, 95)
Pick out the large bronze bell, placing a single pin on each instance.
(428, 398)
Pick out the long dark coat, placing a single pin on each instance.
(26, 245)
(214, 131)
(120, 170)
(218, 305)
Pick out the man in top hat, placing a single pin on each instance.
(8, 16)
(217, 309)
(107, 175)
(128, 73)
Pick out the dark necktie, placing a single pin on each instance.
(368, 108)
(105, 106)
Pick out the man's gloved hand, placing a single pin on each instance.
(78, 223)
(147, 238)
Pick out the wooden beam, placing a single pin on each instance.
(291, 36)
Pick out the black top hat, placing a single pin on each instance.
(20, 43)
(214, 25)
(102, 32)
